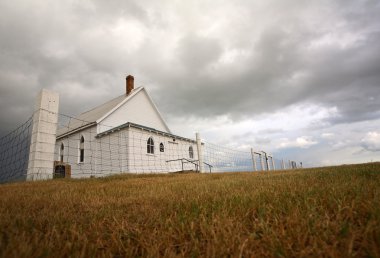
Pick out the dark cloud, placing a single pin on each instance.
(235, 59)
(337, 68)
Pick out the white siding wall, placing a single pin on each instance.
(71, 152)
(124, 151)
(143, 162)
(138, 110)
(111, 155)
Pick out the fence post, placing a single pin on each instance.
(42, 145)
(262, 162)
(273, 164)
(200, 152)
(253, 160)
(266, 159)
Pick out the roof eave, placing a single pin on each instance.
(129, 124)
(158, 111)
(75, 130)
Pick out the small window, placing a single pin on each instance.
(81, 149)
(150, 146)
(162, 147)
(61, 152)
(191, 152)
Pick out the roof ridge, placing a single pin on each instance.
(98, 112)
(105, 103)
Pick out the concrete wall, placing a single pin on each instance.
(45, 120)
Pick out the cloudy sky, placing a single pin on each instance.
(297, 78)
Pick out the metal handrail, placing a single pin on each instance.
(195, 162)
(209, 166)
(187, 161)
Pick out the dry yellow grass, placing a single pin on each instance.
(330, 212)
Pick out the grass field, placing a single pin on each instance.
(324, 212)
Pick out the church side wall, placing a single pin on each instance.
(124, 151)
(111, 157)
(160, 161)
(71, 153)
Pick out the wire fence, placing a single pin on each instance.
(224, 159)
(90, 149)
(14, 153)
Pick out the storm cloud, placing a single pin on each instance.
(204, 61)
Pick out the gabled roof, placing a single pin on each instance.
(99, 113)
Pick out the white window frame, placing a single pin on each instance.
(61, 152)
(191, 152)
(150, 146)
(80, 148)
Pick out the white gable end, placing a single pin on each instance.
(138, 109)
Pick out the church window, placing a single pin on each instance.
(191, 152)
(61, 152)
(150, 146)
(81, 149)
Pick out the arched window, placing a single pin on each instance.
(61, 152)
(162, 147)
(191, 152)
(81, 149)
(150, 146)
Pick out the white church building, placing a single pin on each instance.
(124, 135)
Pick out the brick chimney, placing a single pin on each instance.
(129, 84)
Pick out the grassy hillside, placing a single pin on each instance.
(329, 212)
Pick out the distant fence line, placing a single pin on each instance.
(226, 159)
(49, 142)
